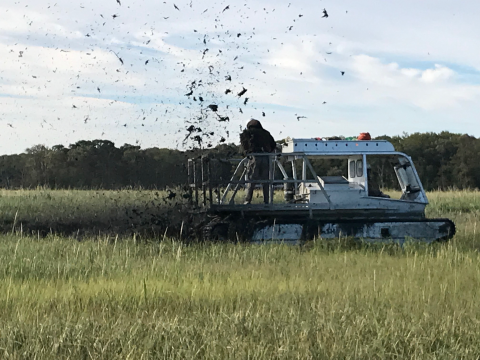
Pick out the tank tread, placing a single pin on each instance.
(452, 231)
(425, 230)
(216, 230)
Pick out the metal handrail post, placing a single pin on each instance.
(189, 181)
(282, 169)
(232, 199)
(271, 166)
(307, 162)
(195, 181)
(232, 179)
(204, 190)
(294, 174)
(209, 173)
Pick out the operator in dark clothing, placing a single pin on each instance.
(373, 187)
(255, 139)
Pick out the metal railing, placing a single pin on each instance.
(203, 184)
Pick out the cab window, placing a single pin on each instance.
(359, 168)
(352, 169)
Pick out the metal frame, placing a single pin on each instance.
(205, 181)
(273, 164)
(239, 176)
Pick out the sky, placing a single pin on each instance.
(145, 72)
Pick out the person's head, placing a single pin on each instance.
(254, 124)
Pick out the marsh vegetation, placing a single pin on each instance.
(138, 297)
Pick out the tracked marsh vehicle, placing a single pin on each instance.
(317, 205)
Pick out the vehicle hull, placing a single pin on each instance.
(427, 230)
(297, 231)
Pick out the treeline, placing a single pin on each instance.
(442, 160)
(98, 164)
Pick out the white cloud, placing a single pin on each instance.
(411, 73)
(432, 89)
(437, 74)
(392, 78)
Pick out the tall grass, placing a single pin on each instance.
(112, 298)
(88, 211)
(80, 205)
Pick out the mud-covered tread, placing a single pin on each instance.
(216, 230)
(226, 229)
(451, 233)
(241, 230)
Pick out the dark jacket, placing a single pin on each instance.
(255, 139)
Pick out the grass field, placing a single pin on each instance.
(88, 212)
(133, 298)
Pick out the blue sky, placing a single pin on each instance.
(409, 66)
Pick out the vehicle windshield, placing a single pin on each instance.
(395, 176)
(407, 179)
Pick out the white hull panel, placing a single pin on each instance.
(397, 231)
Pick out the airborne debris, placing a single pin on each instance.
(217, 43)
(119, 58)
(171, 195)
(223, 118)
(191, 129)
(198, 139)
(241, 93)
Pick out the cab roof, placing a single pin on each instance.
(325, 147)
